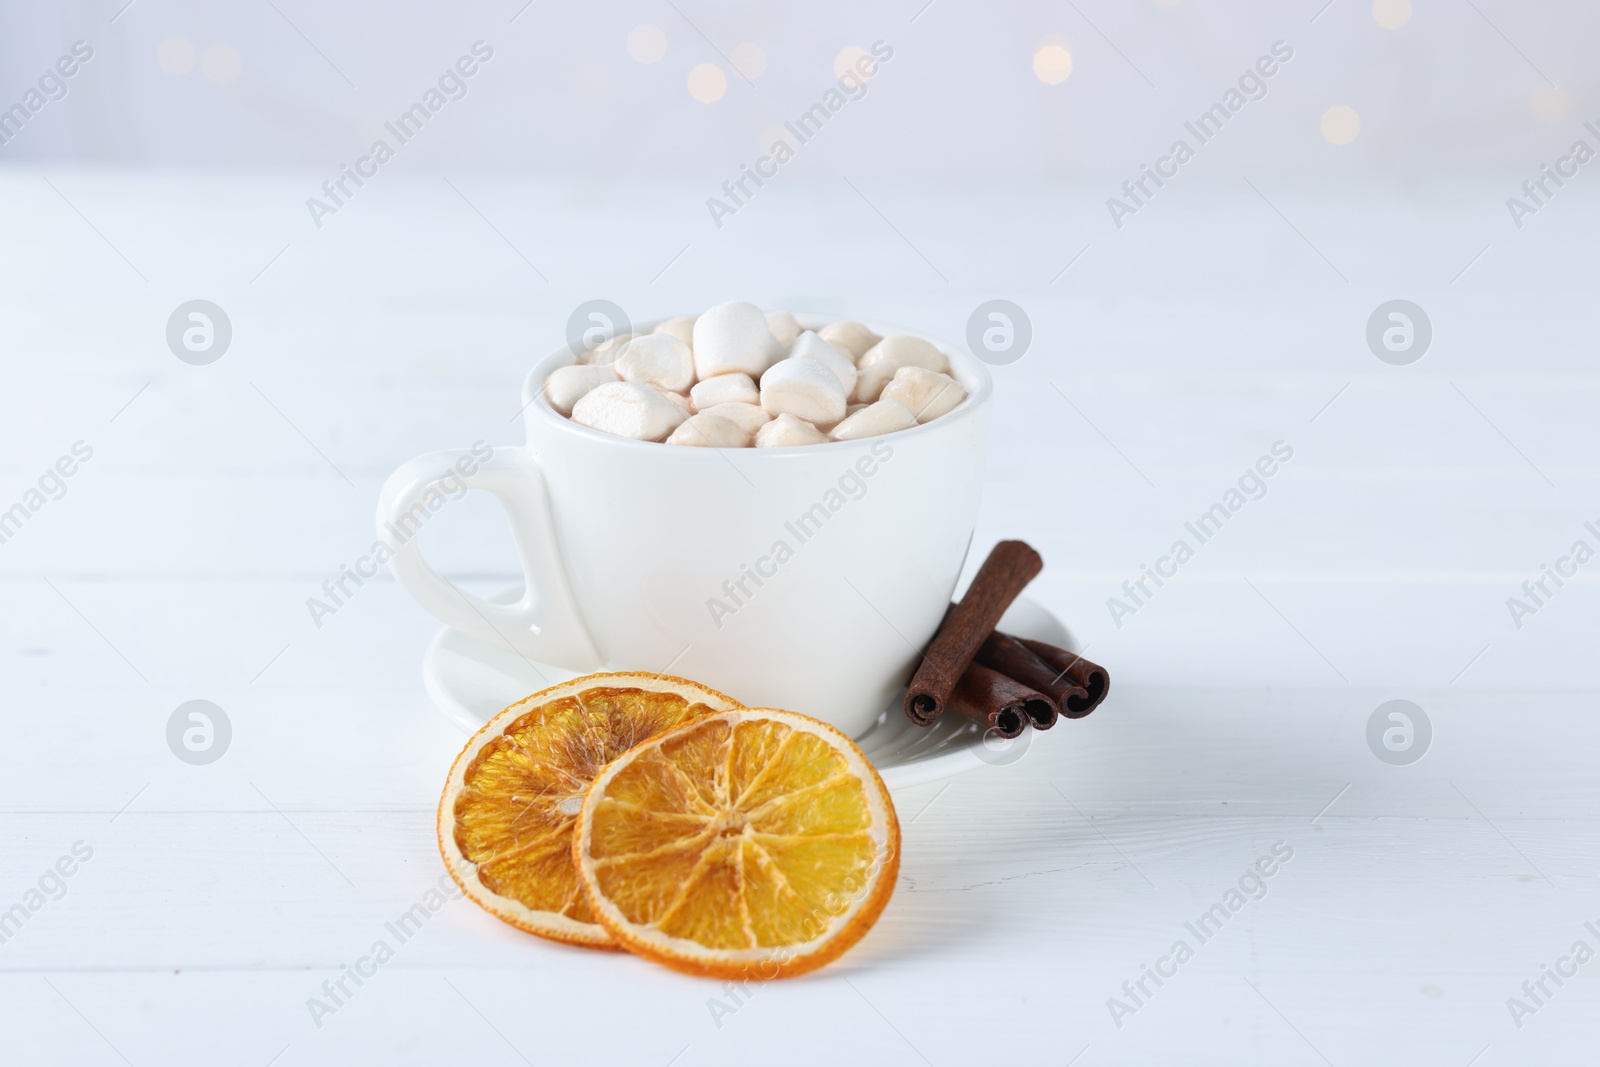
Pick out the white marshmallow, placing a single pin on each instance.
(748, 417)
(679, 401)
(567, 385)
(681, 327)
(706, 430)
(754, 377)
(906, 351)
(805, 388)
(871, 380)
(786, 431)
(783, 327)
(925, 393)
(628, 409)
(886, 357)
(657, 359)
(877, 368)
(724, 389)
(886, 416)
(850, 337)
(809, 346)
(734, 337)
(608, 351)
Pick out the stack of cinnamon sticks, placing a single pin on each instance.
(1000, 682)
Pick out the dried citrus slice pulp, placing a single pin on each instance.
(750, 844)
(513, 795)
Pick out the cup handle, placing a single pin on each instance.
(544, 624)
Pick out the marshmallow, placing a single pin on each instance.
(608, 351)
(757, 378)
(849, 337)
(871, 380)
(786, 431)
(724, 389)
(886, 416)
(706, 430)
(734, 337)
(925, 393)
(748, 417)
(679, 401)
(906, 351)
(809, 346)
(628, 409)
(886, 357)
(681, 327)
(567, 385)
(783, 327)
(803, 387)
(657, 359)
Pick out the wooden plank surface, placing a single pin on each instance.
(176, 566)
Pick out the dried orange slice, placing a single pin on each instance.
(750, 844)
(513, 795)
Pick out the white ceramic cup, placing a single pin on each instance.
(804, 578)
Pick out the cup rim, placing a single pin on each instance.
(968, 370)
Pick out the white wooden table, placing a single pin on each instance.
(219, 898)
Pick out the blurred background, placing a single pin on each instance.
(691, 89)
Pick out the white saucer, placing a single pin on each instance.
(471, 681)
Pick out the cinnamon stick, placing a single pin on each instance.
(1004, 653)
(1001, 704)
(1093, 678)
(1011, 565)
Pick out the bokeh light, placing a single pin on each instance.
(748, 59)
(1052, 63)
(646, 43)
(1391, 14)
(1549, 105)
(707, 83)
(847, 59)
(1340, 124)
